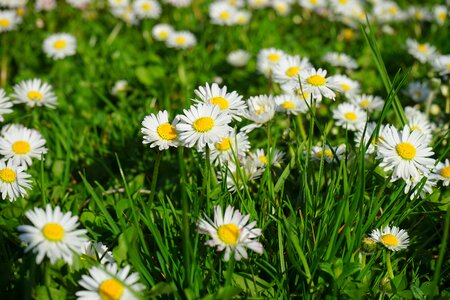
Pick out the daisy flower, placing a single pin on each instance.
(119, 87)
(289, 104)
(267, 59)
(126, 13)
(419, 13)
(393, 238)
(238, 58)
(417, 91)
(231, 232)
(349, 116)
(230, 146)
(53, 234)
(364, 137)
(5, 105)
(59, 45)
(8, 20)
(181, 40)
(178, 3)
(98, 252)
(423, 52)
(34, 92)
(147, 9)
(348, 86)
(440, 13)
(388, 11)
(441, 64)
(114, 4)
(260, 158)
(159, 132)
(21, 144)
(305, 99)
(161, 32)
(415, 184)
(258, 4)
(421, 124)
(289, 67)
(222, 13)
(235, 3)
(326, 153)
(316, 83)
(281, 7)
(340, 60)
(230, 103)
(236, 173)
(405, 153)
(80, 4)
(261, 109)
(110, 282)
(442, 172)
(202, 124)
(368, 103)
(242, 17)
(45, 5)
(13, 180)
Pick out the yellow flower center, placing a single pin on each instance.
(292, 71)
(348, 34)
(406, 150)
(224, 145)
(328, 153)
(262, 109)
(393, 10)
(180, 40)
(60, 44)
(364, 103)
(316, 80)
(345, 87)
(146, 6)
(422, 48)
(445, 172)
(288, 105)
(415, 127)
(203, 124)
(273, 57)
(53, 232)
(167, 132)
(389, 240)
(314, 2)
(5, 22)
(281, 8)
(110, 289)
(225, 15)
(442, 15)
(343, 1)
(35, 95)
(448, 65)
(263, 159)
(163, 34)
(7, 175)
(229, 234)
(222, 102)
(351, 116)
(21, 147)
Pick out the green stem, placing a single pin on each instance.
(185, 219)
(155, 178)
(230, 269)
(206, 176)
(437, 271)
(389, 265)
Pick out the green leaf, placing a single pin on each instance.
(224, 293)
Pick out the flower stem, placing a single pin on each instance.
(155, 178)
(389, 265)
(230, 269)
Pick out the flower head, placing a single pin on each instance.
(60, 45)
(159, 132)
(13, 180)
(34, 92)
(393, 238)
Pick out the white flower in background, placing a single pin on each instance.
(126, 13)
(415, 184)
(119, 87)
(5, 105)
(315, 82)
(267, 59)
(178, 3)
(442, 172)
(8, 20)
(340, 60)
(440, 13)
(419, 13)
(421, 124)
(147, 9)
(423, 52)
(388, 11)
(98, 252)
(231, 232)
(368, 103)
(261, 159)
(441, 64)
(53, 234)
(393, 238)
(108, 282)
(365, 137)
(118, 4)
(202, 125)
(222, 13)
(45, 5)
(289, 67)
(60, 45)
(261, 109)
(230, 146)
(80, 4)
(161, 32)
(34, 92)
(181, 40)
(314, 5)
(13, 180)
(229, 102)
(236, 174)
(289, 104)
(242, 17)
(235, 3)
(342, 6)
(258, 4)
(328, 154)
(350, 116)
(158, 132)
(305, 99)
(282, 7)
(417, 91)
(238, 58)
(347, 85)
(405, 153)
(21, 144)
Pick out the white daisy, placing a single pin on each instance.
(21, 144)
(416, 185)
(8, 20)
(421, 124)
(230, 103)
(314, 5)
(13, 180)
(261, 109)
(417, 91)
(305, 99)
(258, 4)
(242, 17)
(260, 158)
(289, 104)
(147, 9)
(316, 83)
(34, 92)
(267, 59)
(45, 5)
(179, 3)
(13, 3)
(349, 116)
(440, 13)
(222, 13)
(388, 11)
(159, 132)
(202, 124)
(235, 3)
(374, 141)
(419, 13)
(231, 232)
(441, 64)
(238, 58)
(368, 103)
(114, 4)
(119, 87)
(281, 7)
(53, 234)
(161, 32)
(80, 4)
(442, 172)
(98, 252)
(230, 146)
(326, 153)
(110, 283)
(126, 13)
(340, 60)
(394, 238)
(181, 40)
(423, 52)
(5, 105)
(405, 153)
(60, 45)
(348, 86)
(289, 67)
